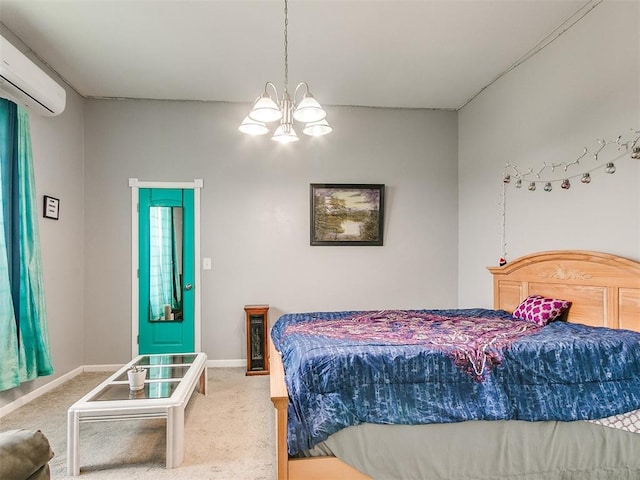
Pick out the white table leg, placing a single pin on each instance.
(175, 436)
(203, 385)
(73, 443)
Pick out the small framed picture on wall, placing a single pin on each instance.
(51, 208)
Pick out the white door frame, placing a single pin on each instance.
(135, 185)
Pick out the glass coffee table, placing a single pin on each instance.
(170, 381)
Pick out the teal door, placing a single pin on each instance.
(166, 271)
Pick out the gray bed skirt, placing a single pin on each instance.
(488, 450)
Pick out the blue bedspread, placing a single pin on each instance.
(559, 372)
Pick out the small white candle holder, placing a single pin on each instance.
(136, 377)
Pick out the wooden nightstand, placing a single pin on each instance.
(257, 331)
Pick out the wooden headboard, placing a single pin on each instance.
(604, 289)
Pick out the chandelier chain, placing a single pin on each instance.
(286, 47)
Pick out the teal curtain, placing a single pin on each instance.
(24, 341)
(164, 275)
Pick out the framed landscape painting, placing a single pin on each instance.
(347, 214)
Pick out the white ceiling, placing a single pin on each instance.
(382, 53)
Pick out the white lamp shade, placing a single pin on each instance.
(309, 110)
(317, 129)
(265, 110)
(285, 134)
(252, 127)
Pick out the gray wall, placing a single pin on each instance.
(58, 157)
(58, 151)
(583, 87)
(255, 214)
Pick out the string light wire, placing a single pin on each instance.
(513, 171)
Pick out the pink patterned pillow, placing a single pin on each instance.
(540, 310)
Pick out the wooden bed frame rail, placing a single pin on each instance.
(312, 468)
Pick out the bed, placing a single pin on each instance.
(604, 291)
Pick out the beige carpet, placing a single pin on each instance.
(228, 434)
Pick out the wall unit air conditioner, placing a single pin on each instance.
(23, 82)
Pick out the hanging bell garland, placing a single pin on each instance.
(629, 147)
(512, 174)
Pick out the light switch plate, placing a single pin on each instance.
(206, 264)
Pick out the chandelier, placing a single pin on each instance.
(268, 107)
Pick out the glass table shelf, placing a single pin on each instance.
(121, 391)
(164, 373)
(169, 359)
(157, 372)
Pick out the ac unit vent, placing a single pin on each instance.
(23, 82)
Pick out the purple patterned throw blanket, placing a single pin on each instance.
(475, 344)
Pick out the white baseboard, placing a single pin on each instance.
(240, 362)
(26, 398)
